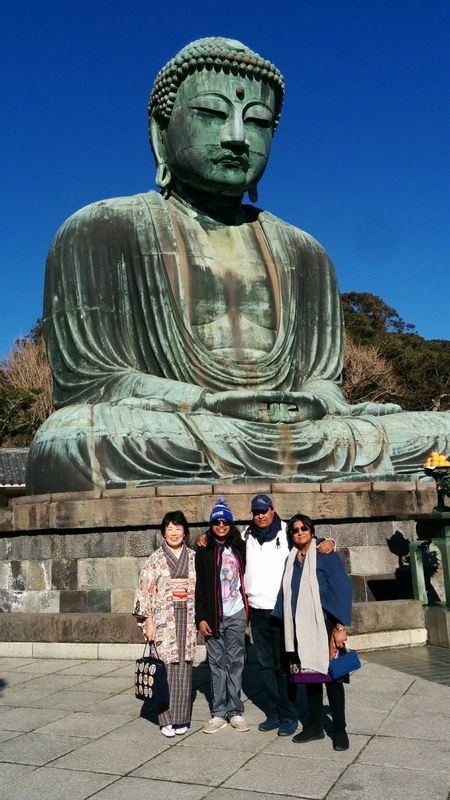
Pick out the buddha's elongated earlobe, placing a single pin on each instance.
(163, 175)
(253, 194)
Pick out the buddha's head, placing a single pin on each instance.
(212, 113)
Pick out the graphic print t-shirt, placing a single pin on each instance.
(230, 583)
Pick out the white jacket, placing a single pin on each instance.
(264, 569)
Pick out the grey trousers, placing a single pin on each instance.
(226, 662)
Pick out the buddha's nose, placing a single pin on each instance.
(234, 132)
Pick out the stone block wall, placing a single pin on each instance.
(79, 554)
(366, 556)
(73, 572)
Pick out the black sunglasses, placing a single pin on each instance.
(222, 522)
(302, 529)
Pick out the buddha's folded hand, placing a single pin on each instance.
(265, 406)
(337, 406)
(374, 409)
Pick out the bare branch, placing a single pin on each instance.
(367, 375)
(26, 368)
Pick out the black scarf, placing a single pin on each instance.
(265, 534)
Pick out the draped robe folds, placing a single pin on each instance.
(129, 374)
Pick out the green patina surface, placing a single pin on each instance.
(193, 337)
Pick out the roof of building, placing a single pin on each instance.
(13, 462)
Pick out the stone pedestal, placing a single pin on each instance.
(69, 563)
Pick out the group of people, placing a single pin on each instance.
(278, 576)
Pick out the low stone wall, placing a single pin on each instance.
(75, 558)
(121, 628)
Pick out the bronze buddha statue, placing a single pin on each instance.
(193, 337)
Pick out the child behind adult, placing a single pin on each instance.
(221, 616)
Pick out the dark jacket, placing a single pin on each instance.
(335, 589)
(208, 596)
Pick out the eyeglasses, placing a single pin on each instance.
(220, 523)
(302, 529)
(260, 512)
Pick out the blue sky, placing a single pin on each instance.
(361, 158)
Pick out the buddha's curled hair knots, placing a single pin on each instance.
(218, 54)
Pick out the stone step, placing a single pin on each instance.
(377, 624)
(387, 615)
(128, 652)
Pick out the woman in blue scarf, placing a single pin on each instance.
(314, 603)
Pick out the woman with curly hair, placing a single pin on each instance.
(221, 615)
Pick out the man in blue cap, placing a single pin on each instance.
(266, 553)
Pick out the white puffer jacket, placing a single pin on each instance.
(264, 569)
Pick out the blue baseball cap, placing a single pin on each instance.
(261, 502)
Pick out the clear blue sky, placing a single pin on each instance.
(361, 159)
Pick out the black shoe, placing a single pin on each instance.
(340, 741)
(287, 727)
(269, 724)
(309, 735)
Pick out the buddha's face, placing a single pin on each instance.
(220, 130)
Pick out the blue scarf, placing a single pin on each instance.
(265, 534)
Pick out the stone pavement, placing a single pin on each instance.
(72, 730)
(432, 663)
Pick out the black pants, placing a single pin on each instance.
(336, 699)
(268, 639)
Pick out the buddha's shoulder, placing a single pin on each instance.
(118, 213)
(275, 226)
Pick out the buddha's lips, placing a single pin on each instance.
(238, 161)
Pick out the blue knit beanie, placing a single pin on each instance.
(221, 511)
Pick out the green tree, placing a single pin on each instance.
(421, 367)
(14, 415)
(369, 318)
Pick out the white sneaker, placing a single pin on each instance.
(215, 724)
(238, 723)
(167, 730)
(180, 729)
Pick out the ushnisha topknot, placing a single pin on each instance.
(212, 53)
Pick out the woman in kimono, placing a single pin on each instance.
(165, 608)
(315, 602)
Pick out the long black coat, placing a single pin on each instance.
(208, 598)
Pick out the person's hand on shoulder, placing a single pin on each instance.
(326, 546)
